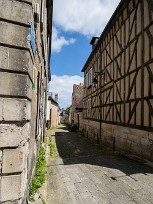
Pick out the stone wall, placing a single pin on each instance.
(78, 117)
(54, 115)
(124, 139)
(53, 108)
(19, 68)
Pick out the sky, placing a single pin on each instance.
(75, 22)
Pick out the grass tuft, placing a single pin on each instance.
(40, 174)
(52, 149)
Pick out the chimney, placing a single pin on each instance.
(93, 42)
(50, 94)
(56, 98)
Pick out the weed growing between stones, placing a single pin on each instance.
(40, 174)
(53, 149)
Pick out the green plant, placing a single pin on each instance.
(68, 126)
(52, 149)
(40, 174)
(71, 128)
(74, 128)
(67, 110)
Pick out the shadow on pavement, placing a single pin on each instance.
(75, 149)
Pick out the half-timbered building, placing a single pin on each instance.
(118, 78)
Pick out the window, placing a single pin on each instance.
(89, 78)
(89, 107)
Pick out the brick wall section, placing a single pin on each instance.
(18, 101)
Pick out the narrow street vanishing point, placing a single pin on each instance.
(81, 172)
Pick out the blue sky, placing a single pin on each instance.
(71, 59)
(74, 24)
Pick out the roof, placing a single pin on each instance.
(114, 17)
(52, 100)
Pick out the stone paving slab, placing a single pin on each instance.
(85, 174)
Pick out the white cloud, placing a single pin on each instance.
(87, 17)
(59, 41)
(63, 85)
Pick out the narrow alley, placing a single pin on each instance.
(80, 172)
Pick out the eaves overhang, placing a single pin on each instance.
(49, 15)
(49, 5)
(52, 100)
(116, 14)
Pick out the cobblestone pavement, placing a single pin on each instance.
(81, 173)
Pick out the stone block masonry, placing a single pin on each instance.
(12, 88)
(14, 160)
(16, 60)
(15, 109)
(11, 187)
(0, 160)
(21, 127)
(13, 8)
(16, 35)
(124, 139)
(14, 135)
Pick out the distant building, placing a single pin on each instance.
(64, 116)
(70, 115)
(52, 111)
(77, 105)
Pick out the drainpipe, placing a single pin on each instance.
(46, 94)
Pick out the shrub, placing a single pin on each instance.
(74, 128)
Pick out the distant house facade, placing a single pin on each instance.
(118, 108)
(70, 115)
(77, 105)
(64, 116)
(52, 111)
